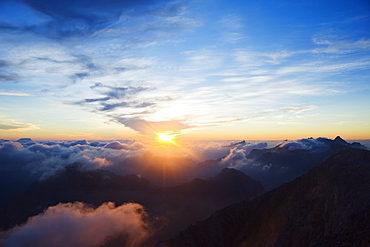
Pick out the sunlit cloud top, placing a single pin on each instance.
(130, 69)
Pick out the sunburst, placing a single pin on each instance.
(166, 137)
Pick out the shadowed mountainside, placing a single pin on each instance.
(179, 206)
(326, 207)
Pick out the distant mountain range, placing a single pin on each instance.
(329, 206)
(283, 163)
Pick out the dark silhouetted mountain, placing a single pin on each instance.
(224, 188)
(161, 171)
(26, 141)
(180, 205)
(198, 199)
(69, 185)
(13, 183)
(329, 206)
(339, 140)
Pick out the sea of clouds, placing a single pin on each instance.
(25, 161)
(41, 159)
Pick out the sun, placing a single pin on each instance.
(166, 137)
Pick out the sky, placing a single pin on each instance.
(204, 70)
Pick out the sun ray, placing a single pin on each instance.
(168, 139)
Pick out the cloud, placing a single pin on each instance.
(235, 155)
(314, 145)
(163, 166)
(150, 127)
(119, 145)
(95, 56)
(232, 22)
(239, 152)
(340, 46)
(109, 96)
(93, 100)
(110, 107)
(118, 92)
(298, 109)
(14, 93)
(286, 161)
(4, 63)
(13, 156)
(16, 126)
(81, 18)
(77, 224)
(278, 56)
(44, 159)
(231, 26)
(6, 77)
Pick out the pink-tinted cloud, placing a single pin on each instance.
(76, 224)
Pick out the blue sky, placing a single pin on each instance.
(203, 70)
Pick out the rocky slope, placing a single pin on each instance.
(329, 206)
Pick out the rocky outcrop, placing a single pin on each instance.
(329, 206)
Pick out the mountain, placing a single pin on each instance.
(69, 185)
(329, 206)
(161, 171)
(179, 205)
(236, 144)
(288, 160)
(14, 183)
(225, 187)
(26, 141)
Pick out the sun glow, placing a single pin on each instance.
(166, 137)
(170, 146)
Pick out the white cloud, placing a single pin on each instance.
(340, 46)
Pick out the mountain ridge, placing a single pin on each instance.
(315, 208)
(180, 205)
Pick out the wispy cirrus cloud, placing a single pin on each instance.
(335, 46)
(298, 109)
(70, 19)
(232, 26)
(14, 93)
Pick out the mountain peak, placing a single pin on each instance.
(339, 140)
(230, 173)
(236, 144)
(24, 139)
